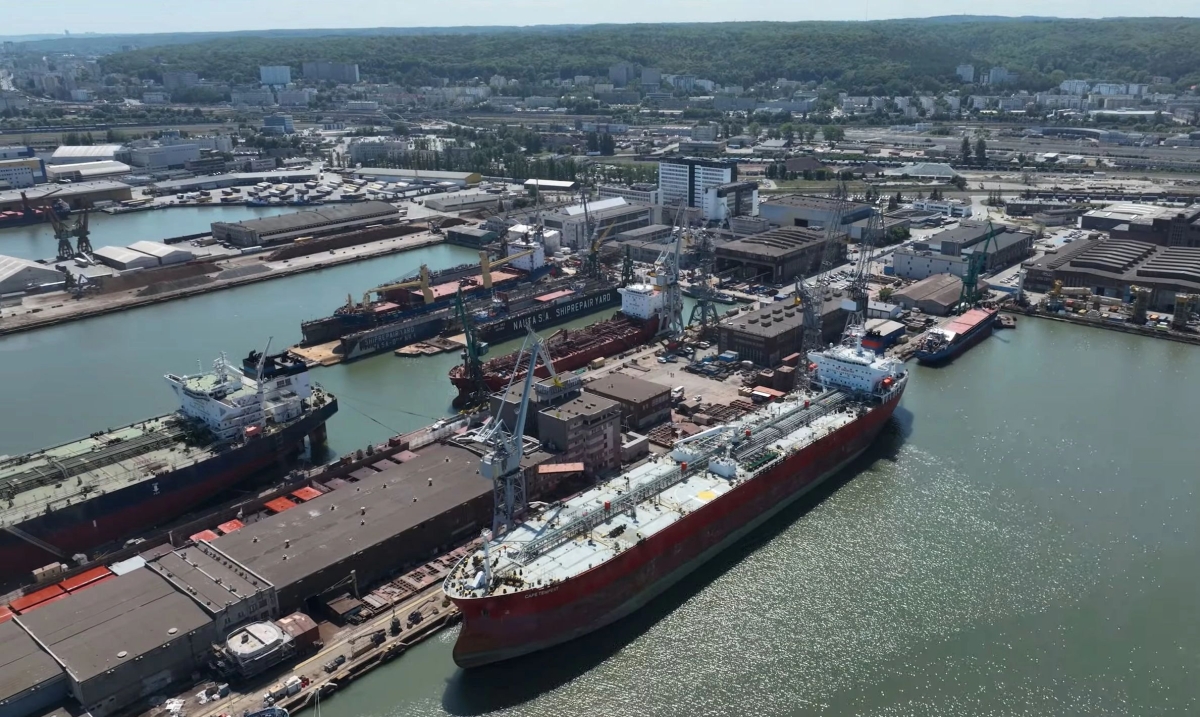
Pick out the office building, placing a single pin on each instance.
(687, 179)
(278, 124)
(321, 70)
(643, 193)
(644, 404)
(586, 429)
(276, 75)
(17, 173)
(179, 80)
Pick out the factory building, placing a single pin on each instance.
(650, 233)
(767, 335)
(17, 275)
(464, 203)
(1109, 267)
(123, 259)
(776, 256)
(229, 594)
(123, 639)
(608, 216)
(164, 253)
(734, 199)
(402, 510)
(1164, 226)
(586, 429)
(173, 156)
(936, 295)
(950, 251)
(644, 404)
(73, 154)
(286, 227)
(472, 237)
(31, 681)
(802, 210)
(86, 171)
(76, 196)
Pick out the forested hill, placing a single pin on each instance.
(891, 57)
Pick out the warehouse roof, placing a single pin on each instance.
(294, 544)
(775, 243)
(60, 191)
(23, 665)
(122, 255)
(422, 174)
(92, 151)
(157, 249)
(103, 168)
(771, 320)
(211, 583)
(10, 266)
(626, 389)
(646, 231)
(924, 170)
(942, 289)
(316, 218)
(114, 622)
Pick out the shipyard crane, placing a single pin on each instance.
(422, 282)
(486, 264)
(666, 279)
(976, 264)
(593, 258)
(704, 313)
(64, 230)
(470, 355)
(812, 297)
(502, 463)
(859, 288)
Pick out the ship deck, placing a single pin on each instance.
(52, 478)
(568, 539)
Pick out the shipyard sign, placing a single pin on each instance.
(560, 312)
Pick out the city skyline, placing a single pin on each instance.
(145, 16)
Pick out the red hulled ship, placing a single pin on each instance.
(636, 323)
(577, 566)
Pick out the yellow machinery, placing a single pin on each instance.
(486, 264)
(422, 282)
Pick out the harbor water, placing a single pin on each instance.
(36, 241)
(1021, 540)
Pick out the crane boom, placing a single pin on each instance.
(422, 282)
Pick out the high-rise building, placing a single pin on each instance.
(343, 72)
(651, 78)
(1000, 75)
(620, 74)
(179, 80)
(688, 178)
(275, 74)
(966, 73)
(278, 124)
(1075, 87)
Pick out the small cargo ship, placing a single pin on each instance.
(944, 343)
(83, 495)
(636, 323)
(579, 565)
(428, 292)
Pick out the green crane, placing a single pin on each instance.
(976, 264)
(470, 355)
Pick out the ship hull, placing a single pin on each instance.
(501, 627)
(515, 326)
(137, 507)
(957, 347)
(392, 336)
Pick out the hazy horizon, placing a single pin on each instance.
(147, 16)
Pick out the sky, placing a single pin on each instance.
(21, 17)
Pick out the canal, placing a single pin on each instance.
(36, 241)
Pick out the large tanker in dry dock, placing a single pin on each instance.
(230, 425)
(577, 566)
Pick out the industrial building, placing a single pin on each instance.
(802, 210)
(767, 335)
(76, 196)
(1164, 226)
(240, 179)
(924, 170)
(123, 259)
(165, 254)
(608, 216)
(644, 404)
(649, 233)
(950, 251)
(734, 199)
(936, 295)
(415, 176)
(401, 510)
(776, 256)
(229, 594)
(472, 237)
(123, 639)
(635, 194)
(464, 203)
(73, 154)
(17, 275)
(31, 682)
(159, 157)
(1109, 267)
(286, 227)
(586, 429)
(551, 185)
(22, 172)
(86, 171)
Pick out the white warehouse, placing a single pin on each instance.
(22, 275)
(122, 259)
(164, 157)
(164, 253)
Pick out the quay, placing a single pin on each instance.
(56, 308)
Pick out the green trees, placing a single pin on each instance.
(965, 151)
(833, 133)
(980, 151)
